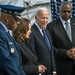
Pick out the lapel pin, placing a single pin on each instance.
(12, 50)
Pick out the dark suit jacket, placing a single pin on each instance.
(9, 55)
(62, 43)
(29, 59)
(45, 56)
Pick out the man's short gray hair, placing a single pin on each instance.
(40, 9)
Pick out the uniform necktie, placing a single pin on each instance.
(68, 30)
(46, 39)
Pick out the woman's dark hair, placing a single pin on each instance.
(21, 29)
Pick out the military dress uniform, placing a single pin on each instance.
(10, 62)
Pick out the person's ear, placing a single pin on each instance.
(6, 17)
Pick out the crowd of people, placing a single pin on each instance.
(39, 49)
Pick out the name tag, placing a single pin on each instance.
(10, 43)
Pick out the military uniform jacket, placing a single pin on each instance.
(9, 55)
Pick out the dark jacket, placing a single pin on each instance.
(10, 62)
(62, 44)
(29, 59)
(44, 56)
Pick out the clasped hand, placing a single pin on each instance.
(71, 53)
(41, 69)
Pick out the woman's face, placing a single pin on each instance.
(27, 34)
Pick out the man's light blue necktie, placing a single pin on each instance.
(68, 30)
(46, 39)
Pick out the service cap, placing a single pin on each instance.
(15, 11)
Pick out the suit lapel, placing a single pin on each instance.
(12, 39)
(30, 53)
(39, 35)
(6, 33)
(73, 29)
(9, 36)
(62, 30)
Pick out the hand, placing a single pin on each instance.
(41, 69)
(54, 74)
(73, 57)
(74, 52)
(71, 53)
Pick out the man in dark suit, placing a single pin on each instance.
(38, 43)
(10, 62)
(63, 43)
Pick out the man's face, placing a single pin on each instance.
(12, 23)
(65, 12)
(42, 19)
